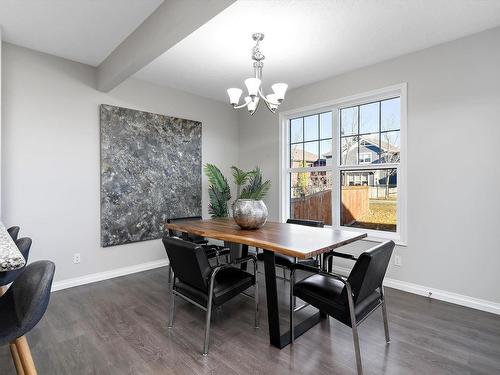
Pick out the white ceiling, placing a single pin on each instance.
(81, 30)
(310, 40)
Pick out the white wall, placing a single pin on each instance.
(50, 155)
(453, 171)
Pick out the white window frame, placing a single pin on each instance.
(400, 90)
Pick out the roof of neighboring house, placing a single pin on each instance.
(372, 139)
(308, 156)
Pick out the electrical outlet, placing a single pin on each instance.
(76, 258)
(398, 260)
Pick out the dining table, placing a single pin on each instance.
(299, 241)
(10, 257)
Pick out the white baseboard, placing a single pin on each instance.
(442, 295)
(100, 276)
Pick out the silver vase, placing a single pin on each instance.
(249, 213)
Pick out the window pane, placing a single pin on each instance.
(297, 155)
(369, 144)
(369, 199)
(325, 123)
(391, 114)
(296, 133)
(311, 196)
(311, 154)
(311, 128)
(368, 118)
(390, 145)
(349, 147)
(349, 121)
(325, 152)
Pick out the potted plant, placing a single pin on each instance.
(249, 211)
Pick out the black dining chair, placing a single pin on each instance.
(349, 300)
(21, 308)
(13, 232)
(203, 285)
(24, 245)
(213, 251)
(284, 261)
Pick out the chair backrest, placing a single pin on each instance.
(188, 261)
(368, 273)
(309, 223)
(31, 292)
(190, 237)
(13, 232)
(24, 246)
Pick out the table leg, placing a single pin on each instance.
(273, 315)
(244, 253)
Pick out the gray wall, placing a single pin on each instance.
(50, 155)
(453, 171)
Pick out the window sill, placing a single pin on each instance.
(378, 236)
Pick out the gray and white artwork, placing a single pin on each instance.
(150, 171)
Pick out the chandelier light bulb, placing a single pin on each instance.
(234, 95)
(279, 90)
(253, 85)
(272, 101)
(252, 103)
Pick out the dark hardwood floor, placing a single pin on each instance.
(119, 327)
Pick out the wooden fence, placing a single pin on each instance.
(317, 206)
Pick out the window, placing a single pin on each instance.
(310, 181)
(365, 157)
(344, 163)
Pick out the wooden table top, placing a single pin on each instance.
(290, 239)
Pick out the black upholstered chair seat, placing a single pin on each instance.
(329, 295)
(229, 282)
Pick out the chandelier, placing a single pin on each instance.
(254, 84)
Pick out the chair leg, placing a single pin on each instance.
(292, 306)
(207, 328)
(354, 329)
(356, 349)
(25, 356)
(16, 359)
(384, 314)
(172, 306)
(169, 273)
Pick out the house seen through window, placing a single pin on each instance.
(343, 165)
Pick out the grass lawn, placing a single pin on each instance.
(381, 215)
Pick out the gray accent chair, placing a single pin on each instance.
(21, 308)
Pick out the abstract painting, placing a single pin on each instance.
(150, 171)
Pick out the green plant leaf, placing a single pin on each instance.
(218, 191)
(256, 189)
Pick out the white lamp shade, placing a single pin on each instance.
(234, 95)
(273, 101)
(279, 90)
(253, 85)
(252, 105)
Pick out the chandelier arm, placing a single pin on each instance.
(269, 107)
(242, 105)
(265, 99)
